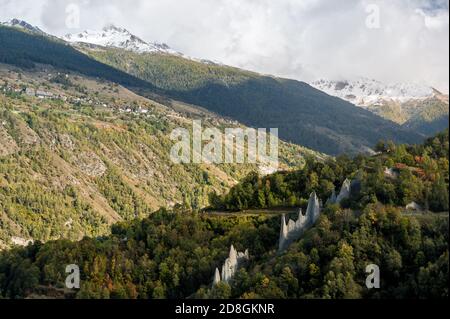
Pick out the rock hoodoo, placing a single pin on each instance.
(292, 230)
(231, 265)
(216, 277)
(345, 193)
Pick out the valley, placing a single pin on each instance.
(304, 115)
(97, 153)
(87, 178)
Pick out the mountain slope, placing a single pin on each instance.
(416, 107)
(367, 92)
(173, 254)
(28, 49)
(96, 153)
(432, 116)
(303, 114)
(112, 36)
(16, 23)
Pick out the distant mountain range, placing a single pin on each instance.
(416, 107)
(303, 114)
(112, 36)
(369, 92)
(16, 23)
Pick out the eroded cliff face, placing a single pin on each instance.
(345, 191)
(231, 265)
(293, 230)
(7, 144)
(348, 188)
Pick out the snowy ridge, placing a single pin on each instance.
(16, 23)
(369, 92)
(112, 36)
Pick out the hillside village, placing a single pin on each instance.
(77, 90)
(45, 91)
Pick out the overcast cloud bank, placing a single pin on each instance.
(389, 40)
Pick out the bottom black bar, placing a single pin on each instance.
(225, 309)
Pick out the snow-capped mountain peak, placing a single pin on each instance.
(367, 92)
(113, 36)
(16, 23)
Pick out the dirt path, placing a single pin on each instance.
(290, 210)
(254, 212)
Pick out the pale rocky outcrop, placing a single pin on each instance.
(66, 142)
(231, 265)
(390, 173)
(18, 241)
(216, 277)
(292, 230)
(91, 164)
(345, 191)
(27, 137)
(8, 145)
(414, 206)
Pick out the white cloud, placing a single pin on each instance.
(301, 39)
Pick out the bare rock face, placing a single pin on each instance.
(313, 211)
(391, 173)
(231, 265)
(66, 142)
(292, 231)
(216, 277)
(349, 188)
(345, 191)
(7, 144)
(18, 241)
(27, 137)
(90, 164)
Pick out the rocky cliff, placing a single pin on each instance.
(292, 230)
(231, 265)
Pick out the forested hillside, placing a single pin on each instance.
(304, 115)
(25, 50)
(432, 117)
(94, 154)
(173, 254)
(398, 175)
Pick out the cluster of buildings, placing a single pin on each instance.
(10, 89)
(39, 93)
(6, 88)
(43, 94)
